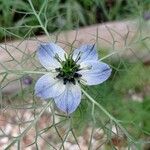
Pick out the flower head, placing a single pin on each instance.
(65, 73)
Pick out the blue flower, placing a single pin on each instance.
(65, 73)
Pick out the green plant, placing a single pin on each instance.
(63, 14)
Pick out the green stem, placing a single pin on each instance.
(39, 20)
(109, 115)
(18, 138)
(23, 72)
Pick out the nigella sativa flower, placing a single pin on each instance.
(65, 73)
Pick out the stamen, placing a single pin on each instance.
(77, 75)
(59, 76)
(68, 70)
(70, 56)
(66, 57)
(78, 57)
(92, 47)
(58, 58)
(86, 68)
(65, 80)
(72, 80)
(83, 81)
(58, 69)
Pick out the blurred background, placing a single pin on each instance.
(67, 14)
(126, 95)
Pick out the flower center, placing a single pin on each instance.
(68, 71)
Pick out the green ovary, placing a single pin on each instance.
(68, 72)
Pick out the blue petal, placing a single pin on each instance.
(49, 87)
(94, 72)
(69, 100)
(46, 54)
(87, 52)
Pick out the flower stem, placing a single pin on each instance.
(39, 19)
(21, 72)
(109, 115)
(18, 138)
